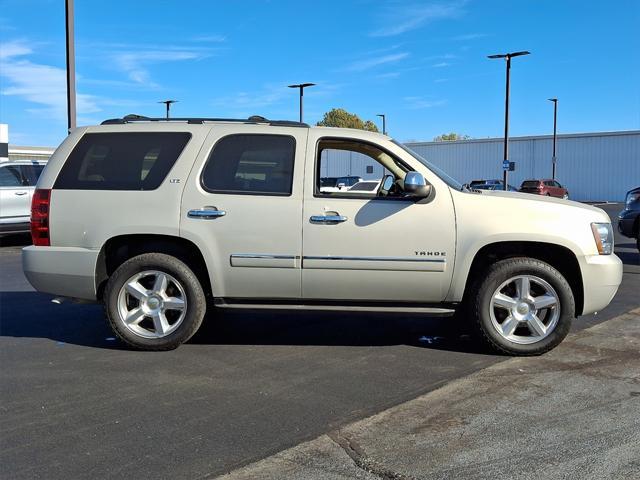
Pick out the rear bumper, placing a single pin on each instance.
(64, 271)
(601, 277)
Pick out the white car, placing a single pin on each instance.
(17, 182)
(154, 218)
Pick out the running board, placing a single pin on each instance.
(350, 307)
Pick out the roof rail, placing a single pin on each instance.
(255, 119)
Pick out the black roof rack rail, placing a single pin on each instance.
(131, 118)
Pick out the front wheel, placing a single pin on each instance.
(522, 306)
(154, 302)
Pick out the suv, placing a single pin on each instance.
(629, 218)
(17, 182)
(163, 220)
(548, 187)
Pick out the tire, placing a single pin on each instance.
(493, 317)
(162, 297)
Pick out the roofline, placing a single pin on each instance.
(529, 137)
(255, 119)
(16, 149)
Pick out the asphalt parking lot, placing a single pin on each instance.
(76, 403)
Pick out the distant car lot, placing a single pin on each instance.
(76, 404)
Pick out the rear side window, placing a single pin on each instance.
(32, 173)
(251, 164)
(530, 183)
(121, 161)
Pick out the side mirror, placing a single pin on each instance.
(416, 186)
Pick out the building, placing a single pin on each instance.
(29, 153)
(599, 166)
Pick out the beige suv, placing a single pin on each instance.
(164, 220)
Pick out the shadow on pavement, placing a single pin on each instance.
(15, 240)
(32, 315)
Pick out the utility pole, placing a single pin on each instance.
(301, 86)
(555, 134)
(168, 104)
(507, 57)
(71, 66)
(384, 122)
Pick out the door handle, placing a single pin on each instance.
(206, 213)
(328, 219)
(20, 193)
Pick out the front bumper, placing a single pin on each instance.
(626, 222)
(64, 271)
(601, 277)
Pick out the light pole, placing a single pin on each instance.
(71, 66)
(168, 104)
(507, 57)
(555, 133)
(301, 86)
(384, 122)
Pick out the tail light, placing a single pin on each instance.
(40, 217)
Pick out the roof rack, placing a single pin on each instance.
(255, 119)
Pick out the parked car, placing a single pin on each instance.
(365, 186)
(161, 220)
(495, 186)
(629, 218)
(477, 183)
(547, 187)
(17, 182)
(336, 184)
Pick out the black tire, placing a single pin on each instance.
(481, 295)
(196, 304)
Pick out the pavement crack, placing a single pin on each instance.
(361, 460)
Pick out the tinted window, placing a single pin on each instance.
(549, 183)
(10, 176)
(121, 161)
(32, 173)
(530, 184)
(252, 164)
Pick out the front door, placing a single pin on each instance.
(373, 245)
(243, 205)
(15, 195)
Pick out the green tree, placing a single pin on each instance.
(450, 137)
(339, 117)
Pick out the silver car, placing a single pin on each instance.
(17, 183)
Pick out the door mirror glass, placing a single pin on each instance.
(416, 186)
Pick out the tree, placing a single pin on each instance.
(450, 137)
(339, 117)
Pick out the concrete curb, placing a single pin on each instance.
(572, 413)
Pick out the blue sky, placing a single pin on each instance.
(422, 63)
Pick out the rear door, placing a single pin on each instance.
(243, 206)
(14, 195)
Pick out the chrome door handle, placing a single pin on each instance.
(206, 213)
(20, 193)
(328, 219)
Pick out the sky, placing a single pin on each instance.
(422, 63)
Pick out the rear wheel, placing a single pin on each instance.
(154, 302)
(523, 306)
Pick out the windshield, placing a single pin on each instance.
(452, 182)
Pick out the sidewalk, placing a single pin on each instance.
(573, 413)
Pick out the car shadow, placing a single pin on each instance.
(15, 240)
(33, 315)
(629, 258)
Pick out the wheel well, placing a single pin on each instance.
(118, 250)
(559, 257)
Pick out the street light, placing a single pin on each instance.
(384, 122)
(168, 104)
(301, 86)
(555, 131)
(71, 66)
(507, 57)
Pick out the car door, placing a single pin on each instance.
(370, 248)
(242, 206)
(15, 206)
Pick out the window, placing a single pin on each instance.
(121, 161)
(343, 163)
(32, 173)
(251, 164)
(10, 176)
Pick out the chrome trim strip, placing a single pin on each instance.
(263, 255)
(377, 259)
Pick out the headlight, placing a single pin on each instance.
(603, 235)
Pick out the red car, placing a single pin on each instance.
(547, 187)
